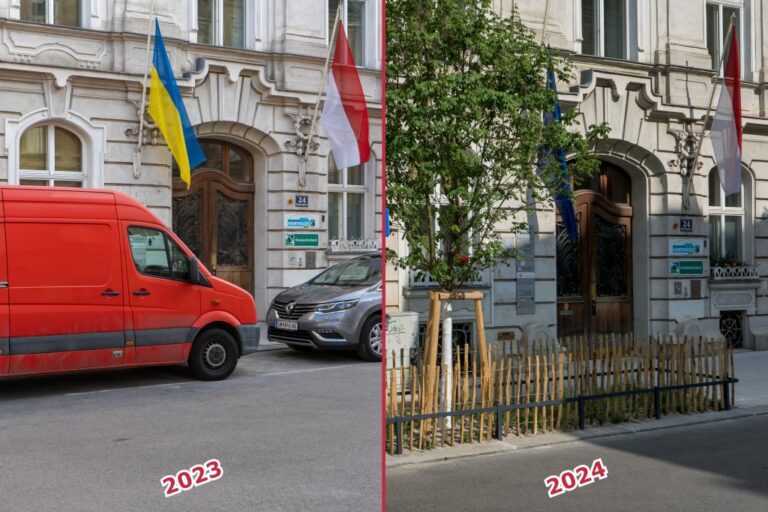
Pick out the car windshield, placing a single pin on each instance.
(357, 272)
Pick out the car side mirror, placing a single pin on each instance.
(194, 271)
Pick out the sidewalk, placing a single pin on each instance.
(751, 400)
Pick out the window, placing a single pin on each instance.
(54, 12)
(726, 221)
(606, 29)
(156, 254)
(346, 202)
(353, 16)
(227, 158)
(718, 20)
(50, 155)
(221, 22)
(612, 182)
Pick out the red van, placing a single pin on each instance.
(92, 279)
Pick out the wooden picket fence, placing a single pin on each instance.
(538, 371)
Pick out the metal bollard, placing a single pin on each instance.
(726, 396)
(499, 425)
(399, 436)
(582, 412)
(657, 402)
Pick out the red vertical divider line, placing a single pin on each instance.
(383, 249)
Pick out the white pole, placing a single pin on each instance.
(323, 80)
(689, 180)
(137, 153)
(447, 359)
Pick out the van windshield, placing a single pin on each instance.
(357, 272)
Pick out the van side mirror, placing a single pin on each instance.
(194, 271)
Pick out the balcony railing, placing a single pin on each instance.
(353, 246)
(735, 273)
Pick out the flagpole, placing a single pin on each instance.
(726, 50)
(323, 80)
(137, 153)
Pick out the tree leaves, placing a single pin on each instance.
(466, 91)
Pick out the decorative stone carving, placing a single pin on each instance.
(151, 133)
(686, 143)
(302, 123)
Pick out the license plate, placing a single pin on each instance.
(288, 325)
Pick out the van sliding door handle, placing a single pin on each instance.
(110, 293)
(141, 293)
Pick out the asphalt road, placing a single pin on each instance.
(292, 431)
(721, 466)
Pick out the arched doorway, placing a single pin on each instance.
(215, 216)
(594, 275)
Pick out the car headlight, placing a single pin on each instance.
(334, 307)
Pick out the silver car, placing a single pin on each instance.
(338, 309)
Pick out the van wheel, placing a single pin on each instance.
(371, 340)
(213, 355)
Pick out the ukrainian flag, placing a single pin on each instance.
(168, 113)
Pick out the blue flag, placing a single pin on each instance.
(562, 193)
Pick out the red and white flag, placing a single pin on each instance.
(726, 126)
(345, 113)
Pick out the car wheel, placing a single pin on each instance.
(371, 340)
(214, 355)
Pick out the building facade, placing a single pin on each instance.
(661, 250)
(71, 75)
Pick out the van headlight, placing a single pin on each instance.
(335, 307)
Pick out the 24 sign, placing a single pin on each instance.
(579, 476)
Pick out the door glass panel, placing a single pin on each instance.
(187, 212)
(611, 252)
(179, 263)
(213, 151)
(34, 148)
(238, 166)
(232, 231)
(568, 264)
(205, 22)
(148, 251)
(234, 15)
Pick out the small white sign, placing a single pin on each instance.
(301, 221)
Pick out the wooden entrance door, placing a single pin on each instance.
(594, 275)
(215, 216)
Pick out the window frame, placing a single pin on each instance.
(745, 20)
(631, 33)
(82, 14)
(722, 212)
(49, 174)
(370, 56)
(218, 24)
(344, 188)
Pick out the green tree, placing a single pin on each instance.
(466, 93)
